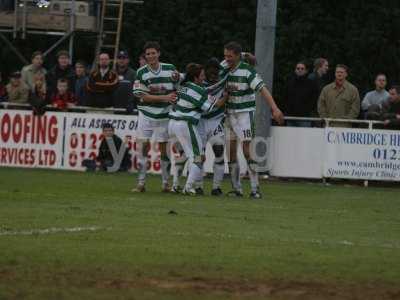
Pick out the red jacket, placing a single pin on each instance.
(61, 101)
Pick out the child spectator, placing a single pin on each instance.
(37, 97)
(17, 90)
(63, 98)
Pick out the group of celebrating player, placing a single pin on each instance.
(214, 103)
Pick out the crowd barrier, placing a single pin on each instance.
(62, 140)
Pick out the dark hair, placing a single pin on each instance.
(81, 62)
(319, 62)
(212, 63)
(62, 80)
(36, 53)
(302, 62)
(62, 53)
(193, 70)
(107, 126)
(151, 44)
(342, 66)
(233, 46)
(395, 87)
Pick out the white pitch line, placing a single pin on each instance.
(51, 230)
(325, 242)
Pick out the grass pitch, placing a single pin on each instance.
(70, 235)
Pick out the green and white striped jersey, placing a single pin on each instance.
(215, 92)
(242, 84)
(191, 102)
(153, 82)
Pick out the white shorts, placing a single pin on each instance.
(151, 129)
(212, 130)
(240, 126)
(189, 138)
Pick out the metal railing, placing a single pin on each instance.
(83, 109)
(327, 121)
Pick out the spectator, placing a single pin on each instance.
(81, 79)
(37, 97)
(301, 97)
(62, 98)
(391, 109)
(340, 99)
(142, 60)
(123, 95)
(63, 69)
(17, 90)
(28, 72)
(321, 67)
(102, 83)
(105, 158)
(373, 100)
(3, 91)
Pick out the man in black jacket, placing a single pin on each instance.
(391, 109)
(62, 70)
(301, 97)
(105, 159)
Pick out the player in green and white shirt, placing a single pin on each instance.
(155, 85)
(192, 100)
(211, 125)
(243, 83)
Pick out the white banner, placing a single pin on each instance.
(31, 141)
(362, 154)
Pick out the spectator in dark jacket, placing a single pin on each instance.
(3, 92)
(64, 70)
(321, 67)
(102, 83)
(391, 109)
(123, 95)
(81, 79)
(301, 97)
(105, 158)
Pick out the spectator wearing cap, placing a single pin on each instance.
(81, 79)
(123, 95)
(102, 83)
(36, 67)
(62, 69)
(3, 92)
(17, 90)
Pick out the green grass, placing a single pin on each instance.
(300, 240)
